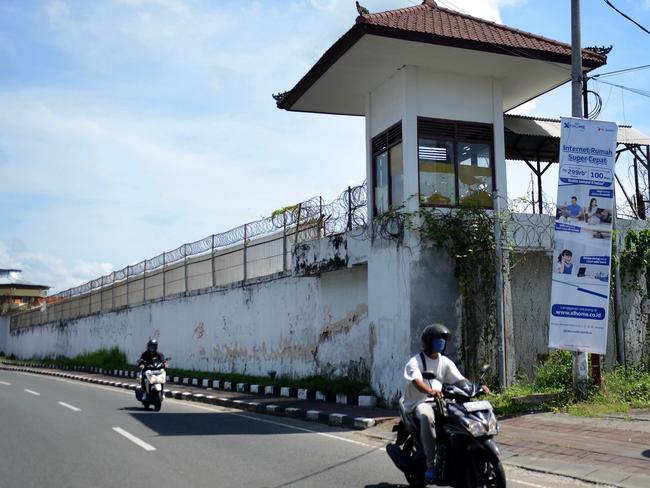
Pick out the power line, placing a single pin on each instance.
(621, 71)
(512, 50)
(643, 93)
(627, 17)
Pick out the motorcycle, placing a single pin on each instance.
(467, 456)
(154, 383)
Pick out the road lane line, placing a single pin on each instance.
(5, 383)
(528, 483)
(32, 392)
(71, 407)
(282, 424)
(231, 412)
(134, 439)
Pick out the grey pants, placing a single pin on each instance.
(425, 417)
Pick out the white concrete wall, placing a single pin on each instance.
(389, 288)
(454, 97)
(386, 104)
(4, 332)
(297, 326)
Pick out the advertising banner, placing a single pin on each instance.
(583, 236)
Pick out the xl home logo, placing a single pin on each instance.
(575, 125)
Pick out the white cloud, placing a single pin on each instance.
(46, 269)
(485, 9)
(159, 127)
(527, 108)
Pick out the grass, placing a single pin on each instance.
(623, 389)
(111, 359)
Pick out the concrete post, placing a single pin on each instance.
(580, 358)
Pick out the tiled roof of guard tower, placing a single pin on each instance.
(429, 18)
(430, 23)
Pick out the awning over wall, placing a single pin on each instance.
(536, 141)
(533, 139)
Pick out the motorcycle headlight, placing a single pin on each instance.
(493, 425)
(475, 427)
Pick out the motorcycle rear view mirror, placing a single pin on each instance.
(484, 370)
(428, 375)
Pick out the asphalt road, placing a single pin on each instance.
(62, 433)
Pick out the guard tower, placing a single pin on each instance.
(433, 85)
(16, 294)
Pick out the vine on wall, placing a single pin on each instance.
(467, 233)
(634, 259)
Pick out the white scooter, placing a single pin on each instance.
(154, 384)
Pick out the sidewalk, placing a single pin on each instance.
(612, 450)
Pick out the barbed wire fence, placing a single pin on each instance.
(253, 250)
(263, 248)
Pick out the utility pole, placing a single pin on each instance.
(579, 358)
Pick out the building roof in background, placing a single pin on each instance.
(543, 127)
(13, 278)
(533, 139)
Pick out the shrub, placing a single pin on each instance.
(630, 385)
(556, 373)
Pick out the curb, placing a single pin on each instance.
(334, 419)
(284, 391)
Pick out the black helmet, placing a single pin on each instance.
(152, 345)
(431, 332)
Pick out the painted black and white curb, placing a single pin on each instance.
(336, 419)
(283, 391)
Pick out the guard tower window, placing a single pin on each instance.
(388, 169)
(455, 162)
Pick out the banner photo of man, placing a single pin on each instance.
(583, 236)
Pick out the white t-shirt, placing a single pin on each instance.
(444, 368)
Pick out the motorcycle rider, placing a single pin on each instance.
(149, 355)
(434, 341)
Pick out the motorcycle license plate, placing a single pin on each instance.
(154, 372)
(476, 406)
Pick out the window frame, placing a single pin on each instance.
(383, 143)
(454, 128)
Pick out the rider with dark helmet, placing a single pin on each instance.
(150, 355)
(434, 342)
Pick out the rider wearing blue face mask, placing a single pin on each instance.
(417, 389)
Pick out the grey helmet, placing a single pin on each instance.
(431, 332)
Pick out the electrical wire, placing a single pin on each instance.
(511, 50)
(638, 91)
(620, 71)
(597, 107)
(627, 17)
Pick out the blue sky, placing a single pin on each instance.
(129, 127)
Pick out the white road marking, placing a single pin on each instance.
(282, 424)
(32, 392)
(527, 483)
(5, 383)
(229, 410)
(71, 407)
(134, 439)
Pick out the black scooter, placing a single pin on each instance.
(467, 456)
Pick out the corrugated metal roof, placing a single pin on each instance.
(542, 127)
